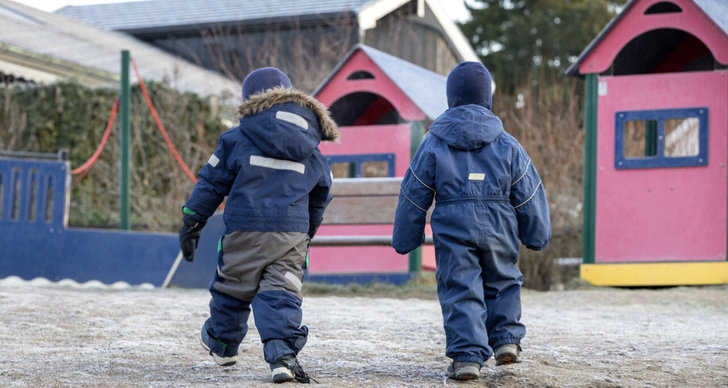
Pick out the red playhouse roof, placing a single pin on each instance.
(415, 93)
(653, 36)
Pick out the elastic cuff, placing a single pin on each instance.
(506, 340)
(468, 358)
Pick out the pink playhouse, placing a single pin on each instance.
(382, 105)
(656, 165)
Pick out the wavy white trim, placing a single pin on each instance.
(410, 201)
(16, 281)
(420, 180)
(524, 173)
(529, 198)
(278, 164)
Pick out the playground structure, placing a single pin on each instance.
(384, 104)
(656, 199)
(37, 242)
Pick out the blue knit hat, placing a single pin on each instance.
(469, 83)
(262, 79)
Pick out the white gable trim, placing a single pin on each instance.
(369, 14)
(452, 32)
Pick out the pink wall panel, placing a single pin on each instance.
(662, 214)
(635, 23)
(428, 253)
(356, 259)
(374, 139)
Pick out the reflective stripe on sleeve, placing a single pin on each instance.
(529, 198)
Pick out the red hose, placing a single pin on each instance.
(160, 126)
(86, 167)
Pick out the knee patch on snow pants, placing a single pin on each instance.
(251, 262)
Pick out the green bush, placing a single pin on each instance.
(47, 118)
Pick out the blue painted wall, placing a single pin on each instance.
(35, 242)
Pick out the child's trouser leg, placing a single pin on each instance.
(502, 288)
(228, 323)
(277, 306)
(243, 271)
(504, 315)
(278, 319)
(460, 291)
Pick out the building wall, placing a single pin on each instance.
(414, 39)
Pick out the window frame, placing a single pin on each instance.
(359, 159)
(659, 160)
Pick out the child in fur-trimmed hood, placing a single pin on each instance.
(277, 186)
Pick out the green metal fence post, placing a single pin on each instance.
(416, 135)
(590, 168)
(125, 141)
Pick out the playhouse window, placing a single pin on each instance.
(663, 7)
(364, 108)
(640, 138)
(661, 138)
(32, 194)
(15, 194)
(361, 74)
(362, 165)
(343, 169)
(1, 196)
(48, 203)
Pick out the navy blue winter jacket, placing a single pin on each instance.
(485, 187)
(269, 166)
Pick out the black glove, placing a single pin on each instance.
(313, 228)
(189, 236)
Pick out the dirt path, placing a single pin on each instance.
(61, 336)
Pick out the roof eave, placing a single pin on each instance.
(248, 24)
(573, 70)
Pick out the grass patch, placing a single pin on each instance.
(422, 286)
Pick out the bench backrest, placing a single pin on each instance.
(363, 201)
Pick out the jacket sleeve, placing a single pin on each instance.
(415, 197)
(318, 199)
(214, 180)
(528, 198)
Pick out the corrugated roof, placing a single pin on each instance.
(425, 88)
(716, 10)
(63, 42)
(163, 13)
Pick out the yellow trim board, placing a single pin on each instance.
(656, 274)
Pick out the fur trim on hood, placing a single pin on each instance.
(259, 102)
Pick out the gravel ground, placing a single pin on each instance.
(70, 335)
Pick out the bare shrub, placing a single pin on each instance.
(548, 121)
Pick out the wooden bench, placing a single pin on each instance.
(361, 201)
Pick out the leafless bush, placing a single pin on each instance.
(548, 122)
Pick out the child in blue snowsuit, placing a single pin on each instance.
(488, 196)
(277, 184)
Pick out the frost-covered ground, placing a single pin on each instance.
(66, 335)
